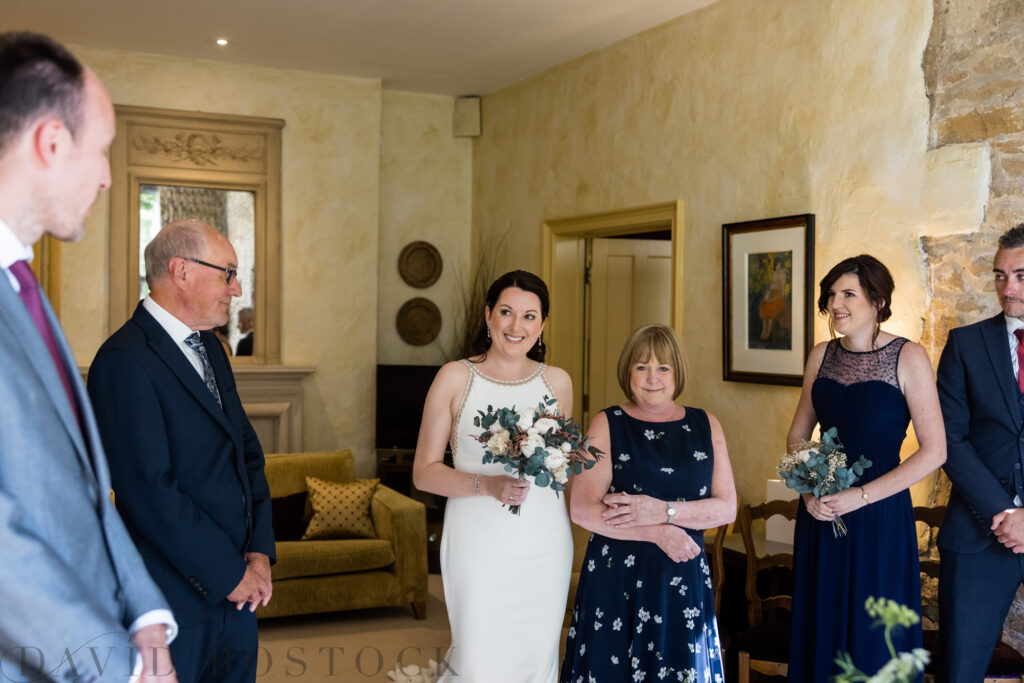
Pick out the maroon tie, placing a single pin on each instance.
(34, 303)
(1019, 333)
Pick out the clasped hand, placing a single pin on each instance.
(625, 510)
(255, 587)
(1008, 527)
(676, 543)
(507, 490)
(826, 508)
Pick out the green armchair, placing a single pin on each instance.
(333, 575)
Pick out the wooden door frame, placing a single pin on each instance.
(562, 267)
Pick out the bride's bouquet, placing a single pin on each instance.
(535, 442)
(819, 468)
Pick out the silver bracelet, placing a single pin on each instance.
(476, 484)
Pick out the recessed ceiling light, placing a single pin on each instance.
(222, 41)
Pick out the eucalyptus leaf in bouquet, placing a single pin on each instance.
(535, 442)
(820, 468)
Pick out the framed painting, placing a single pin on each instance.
(767, 299)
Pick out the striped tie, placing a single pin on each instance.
(196, 345)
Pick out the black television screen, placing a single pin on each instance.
(401, 391)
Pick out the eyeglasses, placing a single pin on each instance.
(232, 273)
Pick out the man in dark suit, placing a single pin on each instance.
(982, 537)
(244, 346)
(74, 593)
(186, 464)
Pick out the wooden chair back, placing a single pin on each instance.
(718, 568)
(758, 605)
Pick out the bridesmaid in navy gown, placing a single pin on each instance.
(868, 384)
(645, 607)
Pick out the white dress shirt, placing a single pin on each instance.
(1013, 324)
(177, 330)
(11, 251)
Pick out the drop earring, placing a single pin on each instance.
(488, 332)
(540, 342)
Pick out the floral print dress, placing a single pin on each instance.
(639, 616)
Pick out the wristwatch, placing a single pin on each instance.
(671, 513)
(864, 495)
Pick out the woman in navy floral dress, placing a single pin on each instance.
(645, 608)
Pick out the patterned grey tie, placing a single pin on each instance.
(196, 344)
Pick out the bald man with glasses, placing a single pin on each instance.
(186, 466)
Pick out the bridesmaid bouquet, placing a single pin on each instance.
(819, 468)
(536, 442)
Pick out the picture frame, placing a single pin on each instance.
(767, 299)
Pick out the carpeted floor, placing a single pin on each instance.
(355, 646)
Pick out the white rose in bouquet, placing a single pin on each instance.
(545, 425)
(533, 442)
(525, 420)
(554, 459)
(565, 447)
(562, 473)
(804, 455)
(498, 443)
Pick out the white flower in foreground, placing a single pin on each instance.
(554, 459)
(533, 442)
(545, 425)
(498, 443)
(526, 416)
(804, 455)
(565, 447)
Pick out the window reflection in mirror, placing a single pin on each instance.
(230, 211)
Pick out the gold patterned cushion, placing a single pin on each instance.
(340, 510)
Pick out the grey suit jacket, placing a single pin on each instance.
(71, 580)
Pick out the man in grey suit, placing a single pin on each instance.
(75, 596)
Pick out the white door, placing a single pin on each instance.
(630, 285)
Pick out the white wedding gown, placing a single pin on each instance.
(506, 577)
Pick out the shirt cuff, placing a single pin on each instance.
(156, 616)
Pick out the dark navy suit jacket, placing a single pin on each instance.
(187, 475)
(980, 407)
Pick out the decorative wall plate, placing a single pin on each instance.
(420, 264)
(418, 321)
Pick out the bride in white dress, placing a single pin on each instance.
(506, 577)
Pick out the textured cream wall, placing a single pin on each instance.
(330, 200)
(425, 184)
(745, 109)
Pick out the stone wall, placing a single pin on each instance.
(976, 88)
